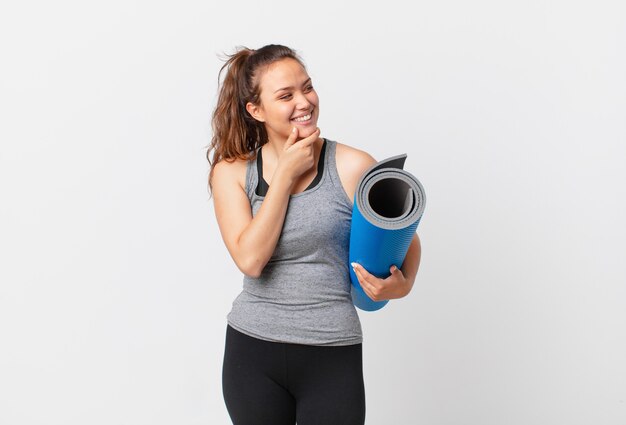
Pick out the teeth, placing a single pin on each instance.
(304, 118)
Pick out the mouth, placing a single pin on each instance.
(304, 119)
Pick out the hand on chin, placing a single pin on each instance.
(305, 132)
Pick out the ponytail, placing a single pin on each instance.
(236, 134)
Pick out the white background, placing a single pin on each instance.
(115, 283)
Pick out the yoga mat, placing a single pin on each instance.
(388, 205)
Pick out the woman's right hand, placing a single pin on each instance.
(298, 156)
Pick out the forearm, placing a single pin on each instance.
(259, 239)
(412, 262)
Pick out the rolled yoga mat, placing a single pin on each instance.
(388, 205)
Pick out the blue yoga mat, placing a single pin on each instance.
(388, 205)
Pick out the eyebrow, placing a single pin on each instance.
(290, 87)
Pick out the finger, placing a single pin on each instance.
(395, 272)
(293, 136)
(364, 277)
(309, 140)
(362, 272)
(368, 288)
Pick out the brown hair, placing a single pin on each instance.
(236, 134)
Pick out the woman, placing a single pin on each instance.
(283, 202)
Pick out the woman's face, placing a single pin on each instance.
(288, 99)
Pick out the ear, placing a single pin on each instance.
(255, 111)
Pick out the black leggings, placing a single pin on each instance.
(273, 383)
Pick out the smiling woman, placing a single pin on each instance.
(283, 203)
(281, 107)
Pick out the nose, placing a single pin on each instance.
(302, 102)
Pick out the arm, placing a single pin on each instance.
(250, 241)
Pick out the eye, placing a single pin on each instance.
(309, 88)
(285, 96)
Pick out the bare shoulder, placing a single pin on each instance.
(231, 204)
(228, 172)
(351, 160)
(351, 164)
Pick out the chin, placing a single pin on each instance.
(306, 132)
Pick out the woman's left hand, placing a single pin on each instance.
(394, 286)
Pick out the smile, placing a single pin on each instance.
(304, 118)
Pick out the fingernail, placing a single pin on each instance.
(354, 265)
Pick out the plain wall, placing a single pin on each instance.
(115, 282)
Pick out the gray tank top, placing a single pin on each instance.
(303, 294)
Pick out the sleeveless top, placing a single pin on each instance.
(303, 294)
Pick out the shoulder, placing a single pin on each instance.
(230, 171)
(351, 160)
(351, 164)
